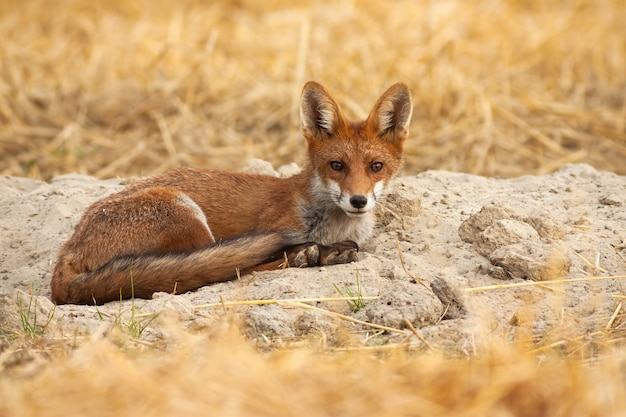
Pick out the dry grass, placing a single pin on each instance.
(118, 88)
(222, 374)
(509, 371)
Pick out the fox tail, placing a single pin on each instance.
(144, 274)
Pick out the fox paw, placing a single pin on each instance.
(339, 253)
(301, 256)
(314, 254)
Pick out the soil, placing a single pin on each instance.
(455, 232)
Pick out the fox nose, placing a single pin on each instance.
(358, 201)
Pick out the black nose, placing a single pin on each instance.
(358, 201)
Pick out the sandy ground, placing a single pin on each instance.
(456, 232)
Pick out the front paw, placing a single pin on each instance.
(301, 256)
(339, 253)
(314, 254)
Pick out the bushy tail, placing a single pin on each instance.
(142, 275)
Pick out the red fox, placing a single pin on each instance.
(187, 228)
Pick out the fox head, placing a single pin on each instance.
(353, 162)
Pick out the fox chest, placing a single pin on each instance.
(333, 225)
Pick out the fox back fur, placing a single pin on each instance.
(191, 227)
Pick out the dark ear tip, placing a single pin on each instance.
(312, 87)
(401, 88)
(311, 83)
(400, 85)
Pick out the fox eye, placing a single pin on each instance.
(336, 166)
(376, 166)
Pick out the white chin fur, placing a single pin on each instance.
(355, 214)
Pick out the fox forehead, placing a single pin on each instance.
(355, 150)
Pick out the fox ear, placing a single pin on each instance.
(319, 112)
(391, 114)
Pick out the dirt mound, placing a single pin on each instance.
(455, 232)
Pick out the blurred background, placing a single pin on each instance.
(114, 88)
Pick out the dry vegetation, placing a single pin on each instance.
(118, 88)
(224, 376)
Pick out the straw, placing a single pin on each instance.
(212, 84)
(542, 283)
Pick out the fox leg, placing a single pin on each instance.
(150, 220)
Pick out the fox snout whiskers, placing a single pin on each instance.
(358, 201)
(356, 205)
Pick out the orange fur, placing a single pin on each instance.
(190, 227)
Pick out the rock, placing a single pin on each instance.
(451, 299)
(517, 246)
(259, 166)
(399, 206)
(532, 260)
(268, 320)
(409, 301)
(171, 305)
(611, 200)
(23, 314)
(502, 233)
(471, 228)
(310, 322)
(546, 226)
